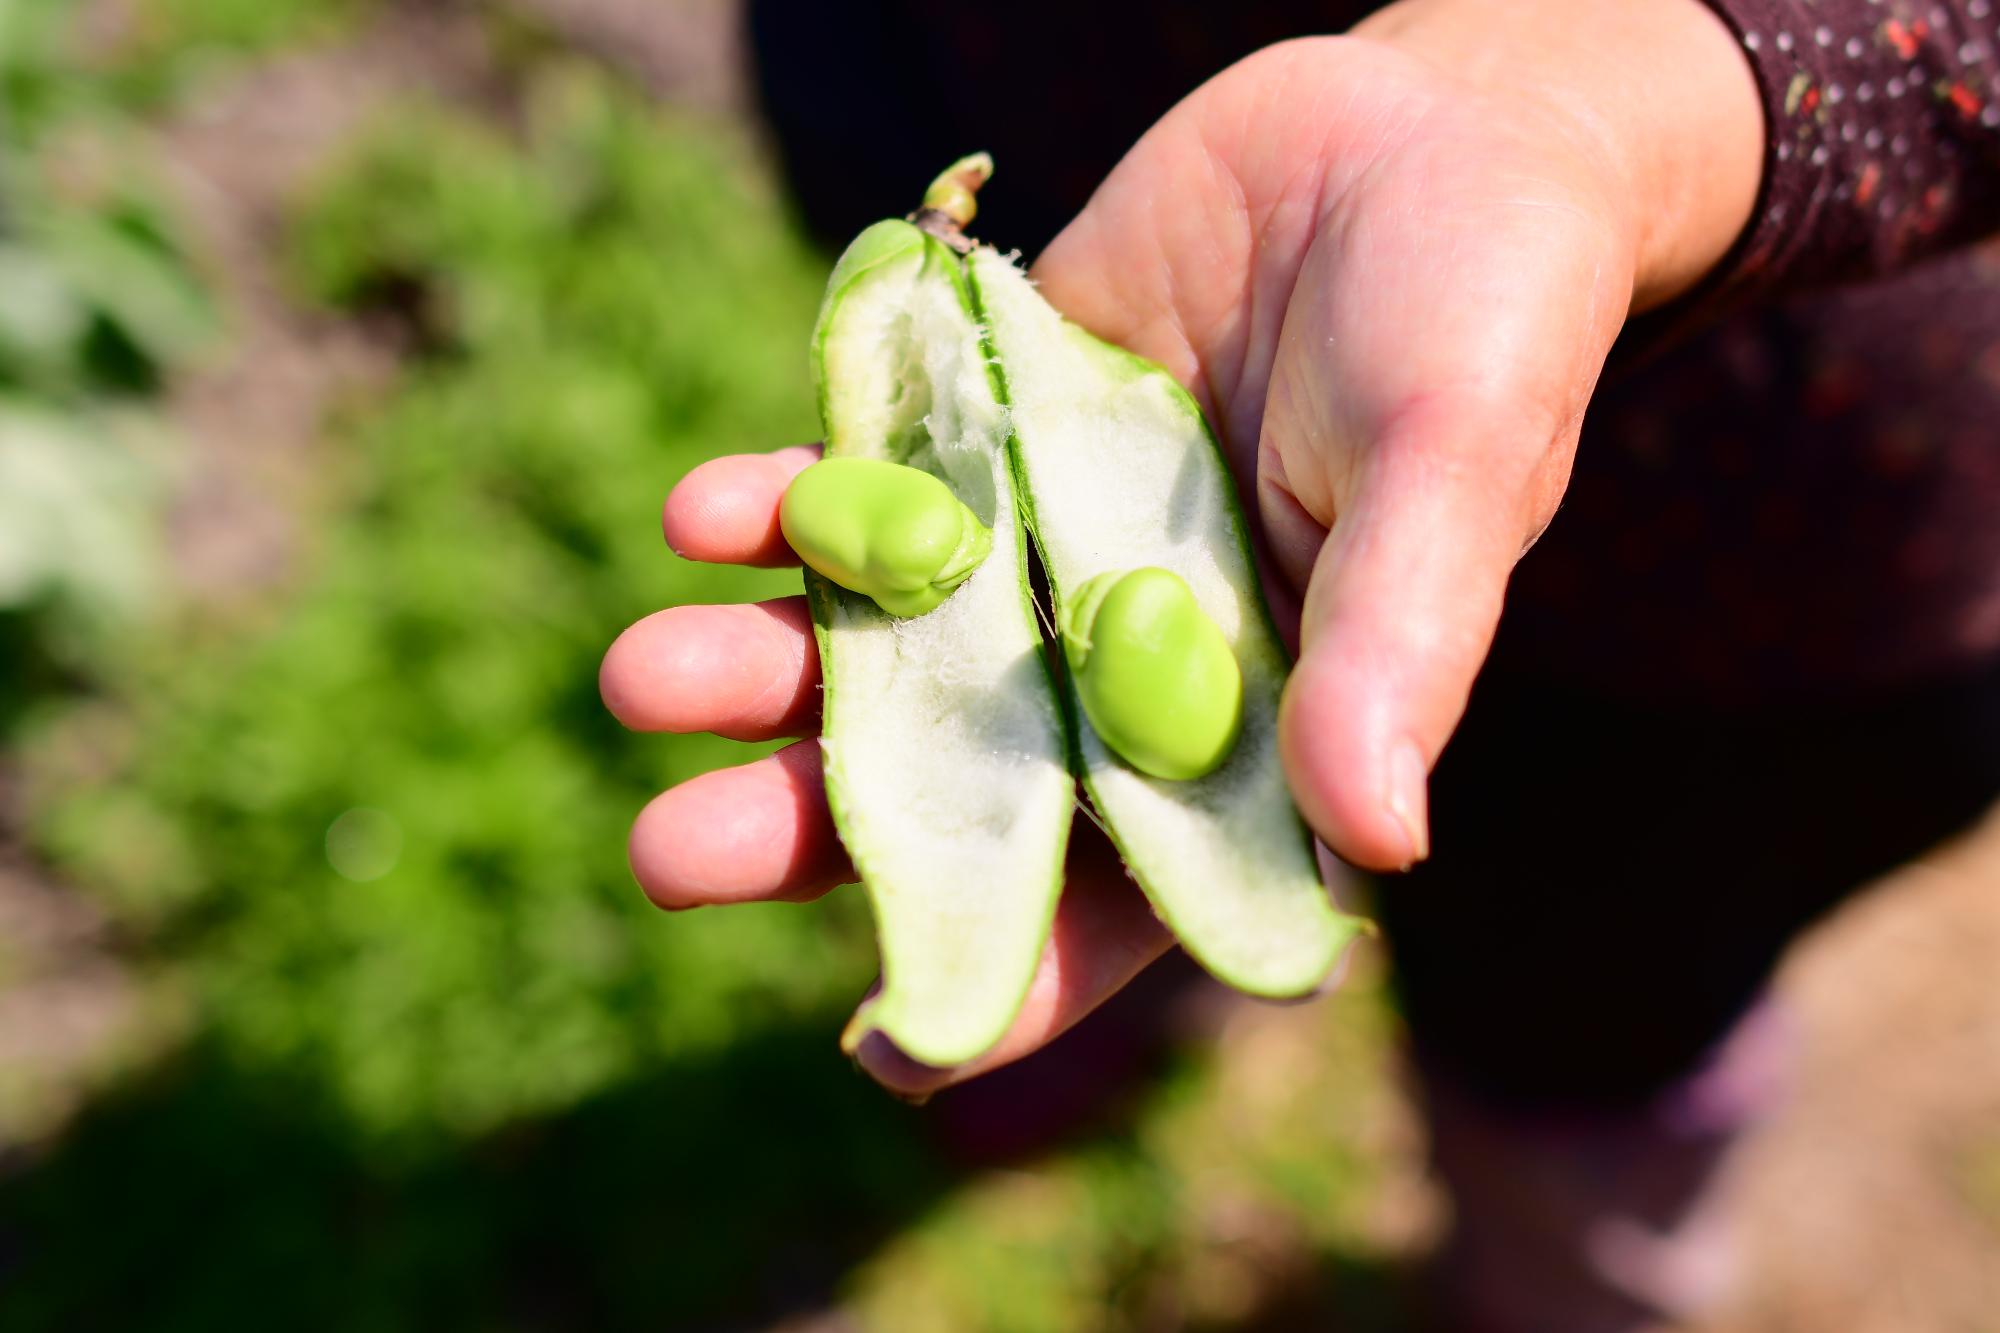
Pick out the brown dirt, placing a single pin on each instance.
(68, 1007)
(1873, 1202)
(688, 53)
(235, 158)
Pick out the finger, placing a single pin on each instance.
(1104, 935)
(1423, 407)
(756, 833)
(725, 512)
(1404, 598)
(746, 672)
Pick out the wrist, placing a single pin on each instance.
(1656, 95)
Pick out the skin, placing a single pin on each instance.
(1393, 266)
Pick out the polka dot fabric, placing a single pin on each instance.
(1789, 486)
(1884, 132)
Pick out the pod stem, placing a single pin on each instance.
(951, 202)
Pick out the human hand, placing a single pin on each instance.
(1390, 266)
(761, 832)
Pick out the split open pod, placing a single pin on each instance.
(983, 422)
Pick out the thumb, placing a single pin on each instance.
(1401, 606)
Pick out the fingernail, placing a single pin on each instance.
(1408, 777)
(901, 1077)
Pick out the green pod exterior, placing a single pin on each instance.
(943, 739)
(1117, 469)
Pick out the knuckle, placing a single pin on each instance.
(1496, 428)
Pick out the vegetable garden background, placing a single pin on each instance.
(346, 352)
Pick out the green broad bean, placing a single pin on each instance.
(892, 533)
(1155, 675)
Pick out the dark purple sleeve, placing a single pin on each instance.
(1883, 136)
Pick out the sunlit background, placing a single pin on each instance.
(346, 352)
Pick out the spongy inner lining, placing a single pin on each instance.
(1121, 473)
(944, 744)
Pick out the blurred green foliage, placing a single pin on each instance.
(101, 302)
(436, 1064)
(594, 305)
(1251, 1188)
(599, 305)
(62, 58)
(102, 298)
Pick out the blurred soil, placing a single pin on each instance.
(240, 153)
(66, 1003)
(250, 421)
(1873, 1201)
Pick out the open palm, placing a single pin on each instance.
(1393, 291)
